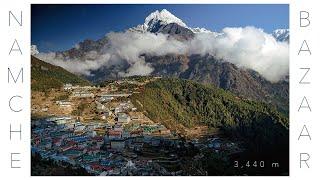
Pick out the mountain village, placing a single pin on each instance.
(100, 130)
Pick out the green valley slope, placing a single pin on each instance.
(45, 76)
(177, 103)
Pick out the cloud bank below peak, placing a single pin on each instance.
(247, 47)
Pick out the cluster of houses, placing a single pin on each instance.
(64, 139)
(103, 148)
(79, 91)
(120, 151)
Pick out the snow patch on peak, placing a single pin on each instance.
(281, 31)
(200, 30)
(155, 19)
(141, 28)
(163, 17)
(34, 50)
(281, 35)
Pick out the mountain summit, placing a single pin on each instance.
(34, 50)
(281, 35)
(157, 20)
(163, 17)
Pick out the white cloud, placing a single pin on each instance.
(74, 65)
(246, 47)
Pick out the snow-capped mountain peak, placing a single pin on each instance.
(34, 50)
(162, 17)
(156, 19)
(200, 30)
(281, 35)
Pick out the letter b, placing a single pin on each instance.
(304, 19)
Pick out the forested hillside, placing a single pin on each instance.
(177, 102)
(45, 76)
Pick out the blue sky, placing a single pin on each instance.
(60, 27)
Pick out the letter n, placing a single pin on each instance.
(12, 16)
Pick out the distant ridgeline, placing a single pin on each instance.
(184, 102)
(45, 76)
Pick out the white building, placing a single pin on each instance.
(82, 94)
(66, 104)
(116, 95)
(79, 128)
(117, 110)
(62, 120)
(67, 87)
(106, 99)
(101, 107)
(123, 118)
